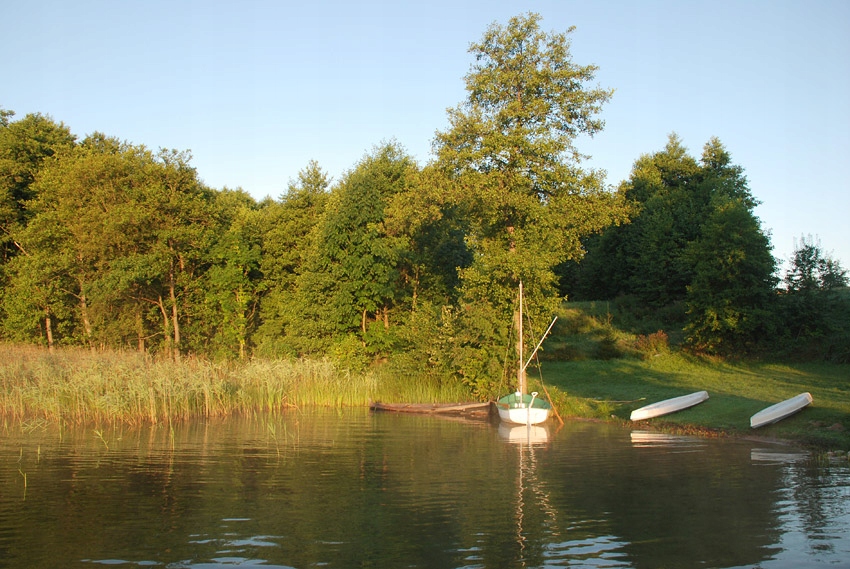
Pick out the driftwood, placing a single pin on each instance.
(433, 408)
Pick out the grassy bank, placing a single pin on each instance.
(612, 389)
(78, 386)
(604, 362)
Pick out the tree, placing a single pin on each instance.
(730, 298)
(24, 146)
(510, 151)
(815, 306)
(286, 228)
(515, 172)
(813, 270)
(672, 196)
(124, 233)
(226, 298)
(352, 283)
(79, 222)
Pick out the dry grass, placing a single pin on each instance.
(75, 386)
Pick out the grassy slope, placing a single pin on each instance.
(612, 388)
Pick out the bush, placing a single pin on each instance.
(652, 344)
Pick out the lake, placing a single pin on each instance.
(352, 488)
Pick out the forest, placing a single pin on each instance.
(110, 245)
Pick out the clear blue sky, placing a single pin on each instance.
(255, 89)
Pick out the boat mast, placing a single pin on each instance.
(519, 348)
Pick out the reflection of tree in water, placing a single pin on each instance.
(685, 504)
(350, 489)
(815, 496)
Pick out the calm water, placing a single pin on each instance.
(355, 489)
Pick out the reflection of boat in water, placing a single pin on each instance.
(529, 499)
(669, 406)
(780, 411)
(648, 439)
(529, 434)
(775, 456)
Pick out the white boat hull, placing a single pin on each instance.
(780, 411)
(524, 416)
(523, 409)
(668, 406)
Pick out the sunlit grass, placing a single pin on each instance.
(612, 389)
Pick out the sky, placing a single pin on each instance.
(256, 89)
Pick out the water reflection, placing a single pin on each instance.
(353, 489)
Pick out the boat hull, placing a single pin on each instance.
(668, 406)
(780, 411)
(515, 409)
(433, 408)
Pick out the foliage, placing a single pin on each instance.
(730, 298)
(515, 174)
(24, 147)
(286, 230)
(352, 274)
(693, 239)
(110, 245)
(815, 305)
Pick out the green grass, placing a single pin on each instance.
(612, 389)
(603, 362)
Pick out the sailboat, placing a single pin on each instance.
(523, 408)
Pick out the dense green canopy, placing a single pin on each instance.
(110, 244)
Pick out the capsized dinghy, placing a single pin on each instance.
(668, 406)
(781, 410)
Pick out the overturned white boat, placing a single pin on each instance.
(781, 410)
(668, 406)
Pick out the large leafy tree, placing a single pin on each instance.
(286, 227)
(352, 281)
(24, 146)
(730, 300)
(115, 240)
(510, 152)
(693, 242)
(672, 196)
(516, 174)
(80, 222)
(225, 297)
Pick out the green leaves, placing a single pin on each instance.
(352, 276)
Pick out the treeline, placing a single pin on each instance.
(109, 244)
(695, 255)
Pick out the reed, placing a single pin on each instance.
(77, 386)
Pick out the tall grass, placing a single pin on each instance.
(76, 386)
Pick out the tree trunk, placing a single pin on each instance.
(140, 331)
(172, 292)
(165, 323)
(84, 314)
(48, 328)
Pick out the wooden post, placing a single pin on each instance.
(519, 348)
